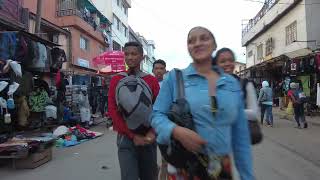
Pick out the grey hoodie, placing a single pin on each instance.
(266, 95)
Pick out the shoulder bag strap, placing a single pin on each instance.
(180, 84)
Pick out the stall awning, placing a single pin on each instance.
(38, 39)
(299, 53)
(34, 38)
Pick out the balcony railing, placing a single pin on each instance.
(85, 10)
(252, 22)
(68, 8)
(11, 9)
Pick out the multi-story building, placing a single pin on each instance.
(282, 27)
(117, 11)
(89, 30)
(281, 43)
(133, 37)
(148, 50)
(239, 66)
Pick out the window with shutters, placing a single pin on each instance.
(291, 33)
(250, 54)
(269, 46)
(260, 52)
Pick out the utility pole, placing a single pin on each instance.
(38, 17)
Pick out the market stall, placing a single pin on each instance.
(29, 68)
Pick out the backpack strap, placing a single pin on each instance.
(123, 74)
(142, 74)
(139, 74)
(180, 84)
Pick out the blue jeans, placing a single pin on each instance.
(269, 115)
(299, 114)
(137, 162)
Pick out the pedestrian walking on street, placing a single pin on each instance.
(298, 99)
(159, 70)
(225, 59)
(266, 101)
(216, 106)
(130, 100)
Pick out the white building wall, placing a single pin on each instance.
(277, 9)
(278, 33)
(110, 8)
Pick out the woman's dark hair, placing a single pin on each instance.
(220, 51)
(159, 61)
(135, 44)
(200, 27)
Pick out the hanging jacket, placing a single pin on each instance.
(8, 42)
(317, 61)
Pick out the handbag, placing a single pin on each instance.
(256, 135)
(174, 153)
(255, 132)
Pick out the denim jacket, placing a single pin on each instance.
(226, 132)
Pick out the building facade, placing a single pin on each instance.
(282, 45)
(239, 66)
(148, 50)
(117, 12)
(282, 27)
(89, 30)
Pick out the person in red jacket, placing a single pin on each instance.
(137, 154)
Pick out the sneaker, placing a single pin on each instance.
(298, 127)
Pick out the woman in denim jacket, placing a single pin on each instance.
(222, 132)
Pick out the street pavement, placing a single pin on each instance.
(286, 153)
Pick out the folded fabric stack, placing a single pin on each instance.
(74, 136)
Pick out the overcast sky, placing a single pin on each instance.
(167, 22)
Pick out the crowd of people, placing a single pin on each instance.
(203, 116)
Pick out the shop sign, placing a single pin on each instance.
(293, 66)
(83, 63)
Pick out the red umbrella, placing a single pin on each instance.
(110, 62)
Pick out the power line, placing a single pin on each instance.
(257, 1)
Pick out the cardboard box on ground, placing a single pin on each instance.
(34, 160)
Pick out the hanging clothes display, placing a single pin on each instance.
(23, 111)
(317, 61)
(58, 57)
(38, 100)
(302, 65)
(286, 67)
(294, 67)
(305, 82)
(21, 49)
(31, 53)
(318, 94)
(310, 64)
(26, 84)
(8, 42)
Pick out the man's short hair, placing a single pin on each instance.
(135, 44)
(159, 61)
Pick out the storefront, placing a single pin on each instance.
(280, 71)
